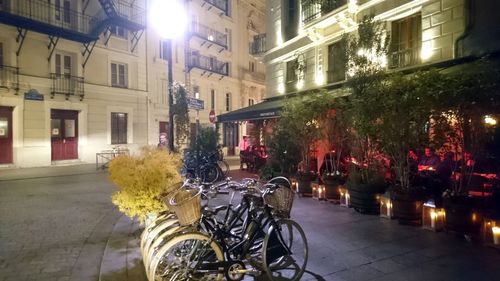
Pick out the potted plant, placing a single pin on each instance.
(299, 123)
(143, 181)
(365, 53)
(336, 125)
(473, 98)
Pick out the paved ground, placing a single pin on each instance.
(59, 224)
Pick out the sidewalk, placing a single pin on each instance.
(49, 171)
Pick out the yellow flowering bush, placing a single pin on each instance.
(142, 181)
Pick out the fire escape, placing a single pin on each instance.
(59, 21)
(200, 37)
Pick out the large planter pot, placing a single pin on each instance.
(304, 183)
(332, 187)
(364, 197)
(462, 215)
(407, 207)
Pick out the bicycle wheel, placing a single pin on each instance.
(285, 251)
(210, 174)
(189, 256)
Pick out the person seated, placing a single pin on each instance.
(429, 162)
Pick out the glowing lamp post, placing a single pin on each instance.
(168, 18)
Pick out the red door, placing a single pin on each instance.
(64, 134)
(5, 135)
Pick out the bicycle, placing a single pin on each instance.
(280, 247)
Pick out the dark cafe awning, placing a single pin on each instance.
(265, 110)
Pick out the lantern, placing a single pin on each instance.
(433, 218)
(491, 232)
(345, 198)
(386, 207)
(318, 191)
(295, 185)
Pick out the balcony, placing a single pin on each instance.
(43, 17)
(207, 64)
(121, 13)
(9, 77)
(315, 9)
(404, 58)
(66, 84)
(208, 35)
(258, 45)
(220, 5)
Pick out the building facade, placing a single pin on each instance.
(214, 62)
(304, 38)
(79, 77)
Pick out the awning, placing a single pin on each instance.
(264, 110)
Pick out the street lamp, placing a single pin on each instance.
(168, 18)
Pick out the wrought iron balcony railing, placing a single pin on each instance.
(208, 64)
(258, 45)
(128, 11)
(219, 4)
(404, 58)
(9, 77)
(65, 84)
(45, 12)
(208, 34)
(315, 9)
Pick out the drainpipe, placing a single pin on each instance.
(469, 24)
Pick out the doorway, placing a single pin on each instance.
(64, 134)
(6, 135)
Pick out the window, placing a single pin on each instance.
(251, 66)
(118, 31)
(63, 64)
(336, 62)
(196, 91)
(65, 13)
(164, 49)
(212, 99)
(118, 128)
(251, 102)
(228, 101)
(406, 41)
(119, 75)
(291, 17)
(291, 76)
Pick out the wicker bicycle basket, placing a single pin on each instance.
(281, 200)
(186, 203)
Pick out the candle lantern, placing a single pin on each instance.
(315, 188)
(433, 218)
(295, 185)
(386, 207)
(491, 232)
(345, 198)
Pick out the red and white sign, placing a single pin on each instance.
(211, 116)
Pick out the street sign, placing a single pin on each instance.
(211, 116)
(196, 104)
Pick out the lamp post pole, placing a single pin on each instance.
(170, 96)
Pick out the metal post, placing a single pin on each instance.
(170, 96)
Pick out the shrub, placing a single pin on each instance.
(142, 181)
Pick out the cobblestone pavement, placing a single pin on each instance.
(60, 227)
(54, 228)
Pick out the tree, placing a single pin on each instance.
(181, 115)
(366, 60)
